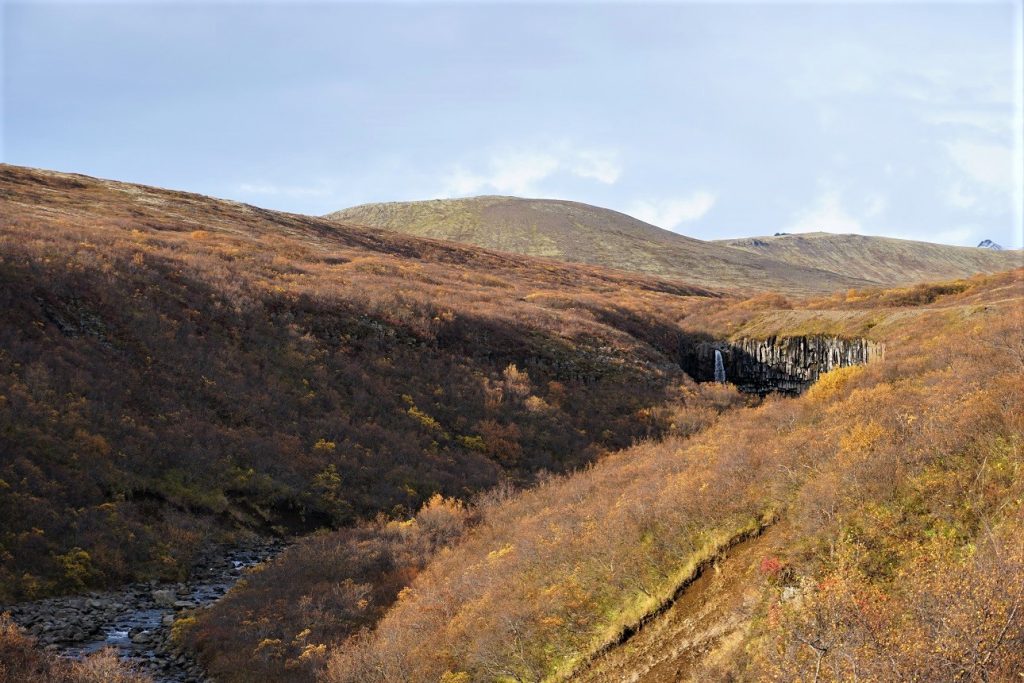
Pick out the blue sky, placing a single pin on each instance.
(711, 119)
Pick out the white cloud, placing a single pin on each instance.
(512, 173)
(981, 120)
(826, 215)
(322, 189)
(959, 198)
(875, 204)
(520, 171)
(984, 163)
(670, 213)
(600, 165)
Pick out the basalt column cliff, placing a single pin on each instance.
(783, 364)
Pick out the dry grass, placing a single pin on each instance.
(22, 661)
(579, 233)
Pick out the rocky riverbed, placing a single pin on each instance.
(136, 619)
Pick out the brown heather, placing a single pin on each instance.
(517, 474)
(22, 661)
(899, 490)
(175, 368)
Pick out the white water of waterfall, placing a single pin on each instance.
(719, 367)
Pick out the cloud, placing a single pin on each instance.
(520, 171)
(602, 166)
(670, 213)
(995, 123)
(959, 198)
(321, 189)
(511, 173)
(985, 163)
(826, 215)
(964, 235)
(875, 205)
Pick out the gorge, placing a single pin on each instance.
(787, 365)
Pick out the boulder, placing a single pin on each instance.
(164, 598)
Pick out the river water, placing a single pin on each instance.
(136, 619)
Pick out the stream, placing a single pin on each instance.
(136, 619)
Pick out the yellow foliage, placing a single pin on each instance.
(831, 383)
(500, 552)
(324, 446)
(861, 438)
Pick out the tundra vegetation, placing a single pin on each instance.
(22, 661)
(896, 488)
(502, 465)
(175, 369)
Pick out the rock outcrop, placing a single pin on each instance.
(778, 364)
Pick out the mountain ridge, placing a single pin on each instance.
(578, 232)
(889, 261)
(582, 233)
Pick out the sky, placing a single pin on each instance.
(714, 120)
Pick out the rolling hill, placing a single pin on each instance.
(570, 231)
(869, 528)
(494, 466)
(580, 233)
(175, 368)
(883, 260)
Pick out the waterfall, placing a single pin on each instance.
(719, 367)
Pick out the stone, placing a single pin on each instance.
(164, 598)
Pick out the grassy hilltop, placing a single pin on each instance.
(580, 233)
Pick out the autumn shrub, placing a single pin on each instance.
(278, 622)
(899, 483)
(23, 661)
(175, 369)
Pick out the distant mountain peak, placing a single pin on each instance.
(989, 244)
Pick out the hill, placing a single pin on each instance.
(176, 368)
(882, 260)
(870, 526)
(580, 233)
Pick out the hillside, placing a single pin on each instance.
(175, 369)
(877, 518)
(580, 233)
(882, 260)
(492, 466)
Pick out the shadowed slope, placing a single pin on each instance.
(173, 365)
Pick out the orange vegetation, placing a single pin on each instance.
(901, 485)
(21, 661)
(174, 368)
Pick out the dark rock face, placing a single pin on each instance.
(778, 364)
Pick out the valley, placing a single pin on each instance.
(491, 466)
(137, 620)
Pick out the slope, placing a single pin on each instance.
(580, 233)
(175, 368)
(882, 260)
(893, 492)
